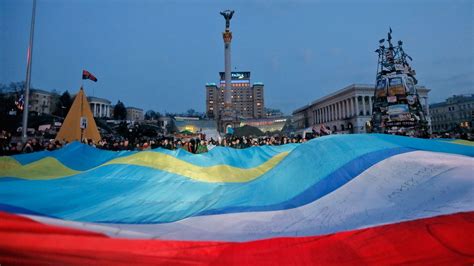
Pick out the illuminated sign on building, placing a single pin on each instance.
(237, 81)
(237, 75)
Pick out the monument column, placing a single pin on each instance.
(348, 108)
(328, 113)
(357, 105)
(338, 110)
(351, 107)
(370, 105)
(228, 115)
(427, 105)
(344, 109)
(363, 105)
(227, 36)
(333, 111)
(341, 110)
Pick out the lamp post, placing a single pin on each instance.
(28, 75)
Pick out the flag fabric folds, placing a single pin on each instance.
(87, 75)
(338, 199)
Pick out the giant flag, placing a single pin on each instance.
(339, 199)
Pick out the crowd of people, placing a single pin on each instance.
(192, 144)
(199, 144)
(10, 147)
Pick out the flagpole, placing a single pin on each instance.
(28, 75)
(82, 111)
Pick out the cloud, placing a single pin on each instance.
(335, 51)
(307, 55)
(275, 63)
(454, 60)
(444, 87)
(456, 80)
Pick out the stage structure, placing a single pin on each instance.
(397, 108)
(79, 123)
(228, 118)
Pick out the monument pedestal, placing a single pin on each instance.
(227, 118)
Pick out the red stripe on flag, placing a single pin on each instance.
(440, 240)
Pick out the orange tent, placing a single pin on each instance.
(79, 123)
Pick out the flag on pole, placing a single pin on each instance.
(87, 75)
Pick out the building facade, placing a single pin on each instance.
(247, 98)
(41, 101)
(135, 114)
(345, 111)
(266, 124)
(273, 113)
(100, 107)
(455, 113)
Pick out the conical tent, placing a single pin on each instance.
(79, 123)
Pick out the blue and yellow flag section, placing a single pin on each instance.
(263, 205)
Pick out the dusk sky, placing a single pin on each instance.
(160, 54)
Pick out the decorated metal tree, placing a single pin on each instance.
(397, 108)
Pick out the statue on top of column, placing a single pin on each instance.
(227, 14)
